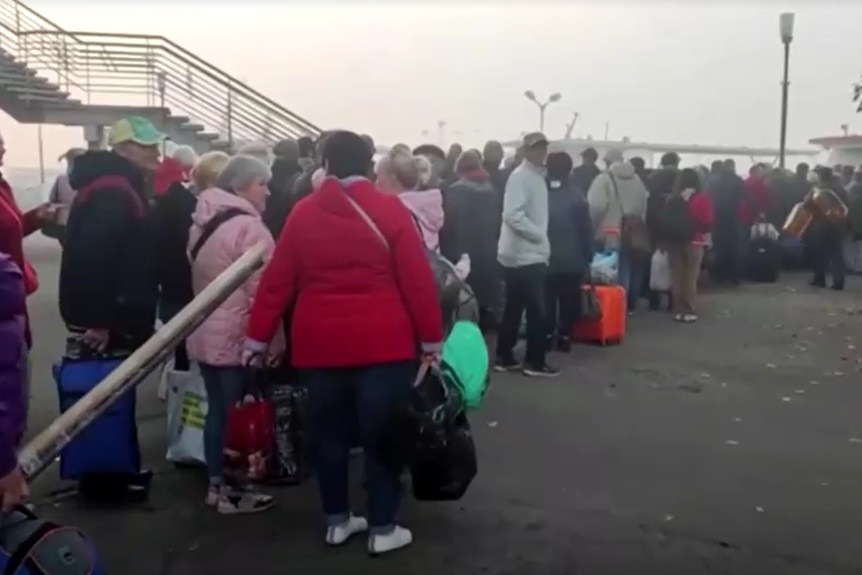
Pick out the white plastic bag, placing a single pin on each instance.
(186, 411)
(659, 272)
(604, 269)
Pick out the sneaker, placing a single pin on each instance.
(677, 317)
(564, 345)
(237, 502)
(689, 318)
(212, 497)
(503, 365)
(396, 539)
(338, 534)
(544, 371)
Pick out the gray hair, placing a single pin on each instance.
(240, 172)
(185, 155)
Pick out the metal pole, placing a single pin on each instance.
(542, 116)
(41, 154)
(785, 88)
(45, 447)
(230, 117)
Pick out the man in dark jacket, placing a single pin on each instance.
(570, 234)
(285, 171)
(108, 286)
(728, 195)
(472, 226)
(660, 185)
(583, 176)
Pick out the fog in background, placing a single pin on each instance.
(684, 72)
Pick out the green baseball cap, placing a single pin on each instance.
(135, 129)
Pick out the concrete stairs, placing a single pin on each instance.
(32, 99)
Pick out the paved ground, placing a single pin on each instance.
(729, 446)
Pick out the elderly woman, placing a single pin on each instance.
(226, 223)
(351, 264)
(172, 216)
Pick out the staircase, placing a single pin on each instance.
(49, 75)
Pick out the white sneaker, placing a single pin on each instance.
(398, 538)
(338, 534)
(236, 502)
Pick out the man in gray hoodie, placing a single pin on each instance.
(523, 251)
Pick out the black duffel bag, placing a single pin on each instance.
(431, 436)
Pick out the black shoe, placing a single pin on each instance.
(544, 371)
(817, 283)
(838, 287)
(503, 365)
(564, 344)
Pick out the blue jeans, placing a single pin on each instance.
(336, 397)
(631, 277)
(224, 387)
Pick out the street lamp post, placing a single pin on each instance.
(786, 30)
(531, 96)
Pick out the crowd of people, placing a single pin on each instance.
(346, 296)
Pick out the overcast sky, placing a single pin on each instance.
(685, 72)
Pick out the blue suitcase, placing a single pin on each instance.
(109, 444)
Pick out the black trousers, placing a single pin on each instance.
(525, 292)
(827, 256)
(562, 302)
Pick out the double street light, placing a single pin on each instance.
(785, 24)
(555, 97)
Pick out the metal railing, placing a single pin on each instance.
(144, 70)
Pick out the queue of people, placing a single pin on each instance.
(346, 296)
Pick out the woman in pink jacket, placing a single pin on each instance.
(226, 223)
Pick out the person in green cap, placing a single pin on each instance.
(108, 289)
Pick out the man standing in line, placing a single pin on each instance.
(524, 251)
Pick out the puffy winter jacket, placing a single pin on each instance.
(12, 362)
(218, 340)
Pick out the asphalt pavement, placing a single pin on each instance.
(733, 445)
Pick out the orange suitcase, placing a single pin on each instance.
(611, 327)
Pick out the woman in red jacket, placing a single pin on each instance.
(14, 227)
(685, 258)
(351, 263)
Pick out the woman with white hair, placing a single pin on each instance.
(227, 223)
(406, 176)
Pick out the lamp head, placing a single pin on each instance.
(555, 97)
(785, 24)
(530, 95)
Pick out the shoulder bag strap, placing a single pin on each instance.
(367, 219)
(418, 227)
(211, 226)
(617, 193)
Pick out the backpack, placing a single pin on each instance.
(676, 224)
(31, 546)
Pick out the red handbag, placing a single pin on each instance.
(249, 439)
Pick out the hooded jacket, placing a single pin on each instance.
(107, 272)
(358, 298)
(608, 204)
(218, 340)
(426, 208)
(13, 357)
